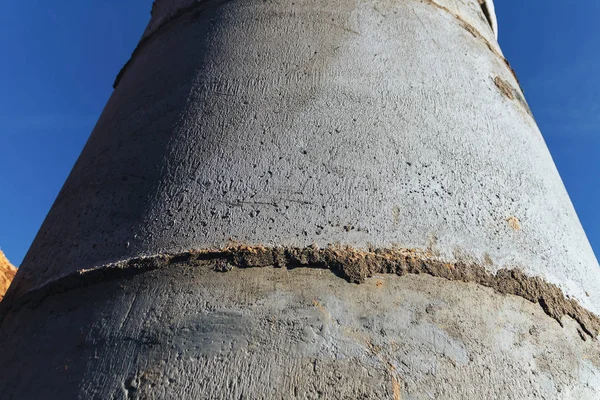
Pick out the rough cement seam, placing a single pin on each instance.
(352, 264)
(192, 8)
(198, 6)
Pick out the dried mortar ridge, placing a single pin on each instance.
(194, 7)
(354, 265)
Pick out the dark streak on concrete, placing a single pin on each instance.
(514, 74)
(352, 264)
(486, 13)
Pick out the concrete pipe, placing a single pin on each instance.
(310, 199)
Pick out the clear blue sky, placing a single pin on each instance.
(59, 60)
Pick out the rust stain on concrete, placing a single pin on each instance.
(504, 87)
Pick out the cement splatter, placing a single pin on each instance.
(514, 223)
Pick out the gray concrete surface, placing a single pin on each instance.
(362, 123)
(283, 124)
(187, 332)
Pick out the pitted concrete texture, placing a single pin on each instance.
(189, 332)
(361, 123)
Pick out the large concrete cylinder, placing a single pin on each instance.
(334, 199)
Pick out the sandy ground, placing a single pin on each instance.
(7, 273)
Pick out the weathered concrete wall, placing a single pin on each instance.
(285, 124)
(365, 123)
(187, 332)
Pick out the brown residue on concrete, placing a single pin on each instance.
(397, 393)
(507, 90)
(354, 265)
(504, 87)
(514, 223)
(470, 28)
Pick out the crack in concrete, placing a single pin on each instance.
(352, 264)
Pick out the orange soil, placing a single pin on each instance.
(7, 273)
